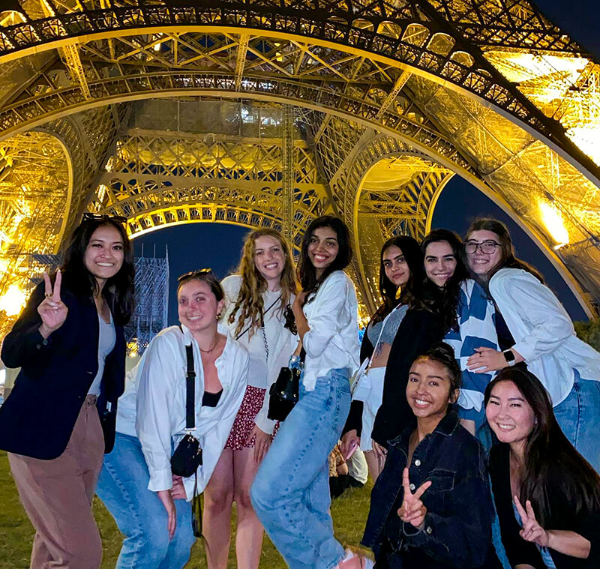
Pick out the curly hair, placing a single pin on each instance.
(249, 303)
(446, 300)
(414, 259)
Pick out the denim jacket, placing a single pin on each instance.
(457, 530)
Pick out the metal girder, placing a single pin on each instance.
(405, 34)
(460, 86)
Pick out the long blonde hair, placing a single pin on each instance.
(249, 303)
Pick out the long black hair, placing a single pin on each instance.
(445, 300)
(118, 290)
(307, 274)
(548, 449)
(414, 259)
(508, 258)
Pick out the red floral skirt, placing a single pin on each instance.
(244, 420)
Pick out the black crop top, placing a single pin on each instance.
(211, 399)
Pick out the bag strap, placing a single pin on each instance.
(190, 388)
(264, 314)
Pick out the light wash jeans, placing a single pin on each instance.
(290, 493)
(578, 417)
(139, 513)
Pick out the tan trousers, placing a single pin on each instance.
(57, 496)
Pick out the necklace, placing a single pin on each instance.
(209, 351)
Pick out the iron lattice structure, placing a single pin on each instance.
(151, 302)
(271, 112)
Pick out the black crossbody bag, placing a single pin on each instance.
(285, 392)
(188, 455)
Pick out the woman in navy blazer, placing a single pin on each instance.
(60, 416)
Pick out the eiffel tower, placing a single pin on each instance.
(268, 113)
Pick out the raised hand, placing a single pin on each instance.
(413, 511)
(532, 530)
(52, 309)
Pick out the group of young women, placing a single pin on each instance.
(424, 392)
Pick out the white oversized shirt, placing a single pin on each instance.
(543, 332)
(161, 400)
(262, 372)
(332, 341)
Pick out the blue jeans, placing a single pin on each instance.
(139, 513)
(290, 493)
(578, 416)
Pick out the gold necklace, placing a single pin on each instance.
(209, 351)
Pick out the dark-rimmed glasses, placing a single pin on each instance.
(89, 216)
(194, 274)
(487, 247)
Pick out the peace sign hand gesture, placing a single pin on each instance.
(532, 530)
(52, 309)
(413, 510)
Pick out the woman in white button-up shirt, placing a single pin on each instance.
(256, 303)
(290, 493)
(535, 330)
(151, 506)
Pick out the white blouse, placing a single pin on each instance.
(543, 332)
(161, 400)
(332, 341)
(262, 371)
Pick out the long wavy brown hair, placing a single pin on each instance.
(249, 305)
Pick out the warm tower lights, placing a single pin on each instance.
(12, 301)
(554, 223)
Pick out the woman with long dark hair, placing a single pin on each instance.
(547, 495)
(59, 419)
(534, 330)
(431, 506)
(467, 313)
(290, 493)
(257, 300)
(400, 275)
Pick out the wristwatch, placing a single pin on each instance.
(509, 356)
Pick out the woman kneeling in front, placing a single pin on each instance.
(431, 506)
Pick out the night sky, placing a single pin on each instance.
(218, 246)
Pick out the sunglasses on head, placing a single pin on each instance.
(194, 274)
(88, 216)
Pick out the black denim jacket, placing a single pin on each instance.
(457, 530)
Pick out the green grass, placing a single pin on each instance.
(16, 533)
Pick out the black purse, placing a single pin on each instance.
(285, 392)
(188, 455)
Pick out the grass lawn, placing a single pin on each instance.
(16, 534)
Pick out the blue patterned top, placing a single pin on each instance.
(476, 314)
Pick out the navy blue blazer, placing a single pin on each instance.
(38, 417)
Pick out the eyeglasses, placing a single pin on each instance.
(487, 247)
(194, 274)
(88, 216)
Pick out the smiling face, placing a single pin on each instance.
(104, 253)
(429, 387)
(510, 416)
(197, 306)
(440, 262)
(395, 266)
(323, 248)
(482, 263)
(269, 259)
